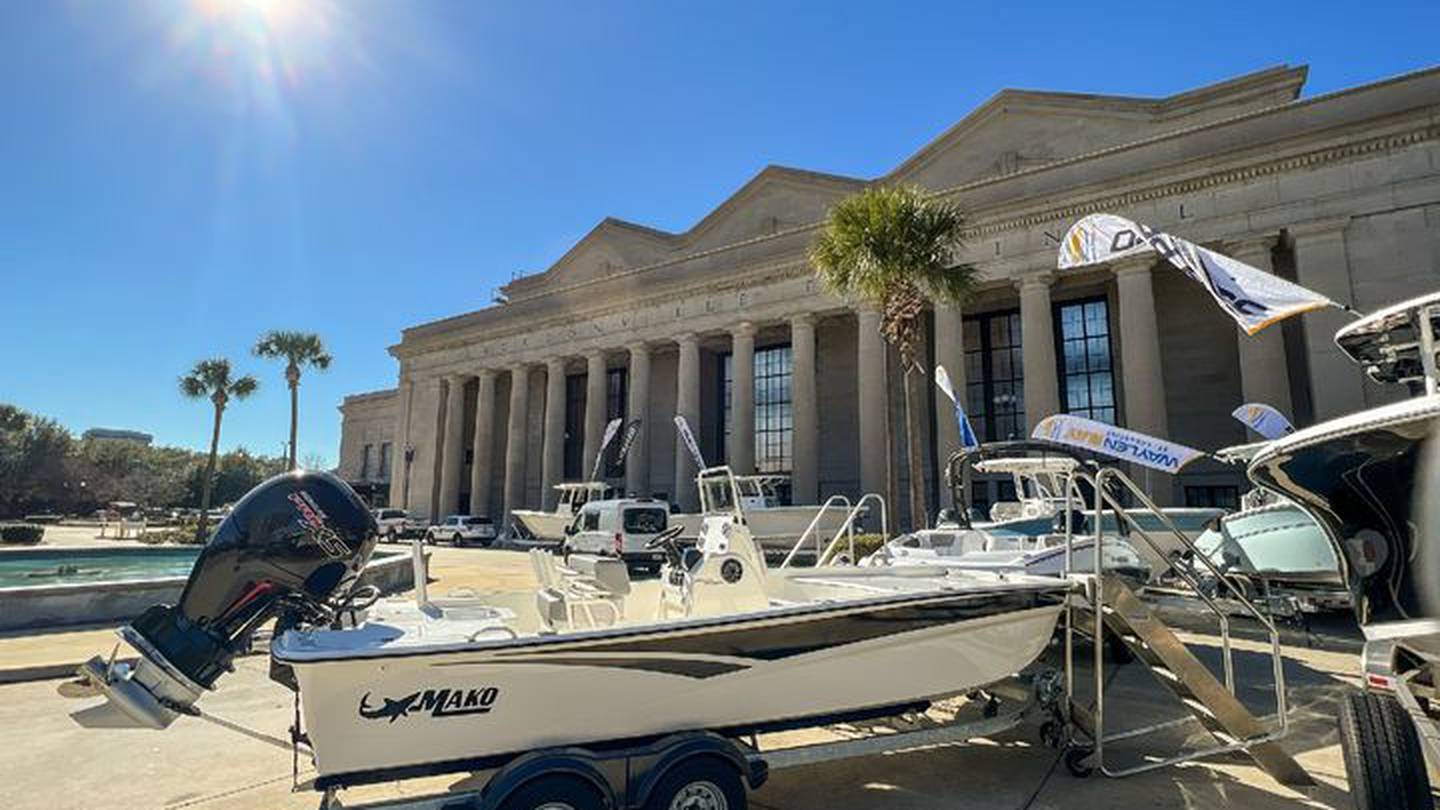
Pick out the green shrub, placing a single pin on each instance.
(182, 534)
(21, 533)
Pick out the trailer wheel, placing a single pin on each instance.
(700, 783)
(1382, 754)
(559, 792)
(1075, 761)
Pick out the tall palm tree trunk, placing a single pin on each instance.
(914, 452)
(294, 417)
(207, 486)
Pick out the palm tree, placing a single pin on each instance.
(298, 349)
(213, 380)
(893, 247)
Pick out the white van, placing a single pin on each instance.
(619, 528)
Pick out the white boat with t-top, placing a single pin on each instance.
(549, 527)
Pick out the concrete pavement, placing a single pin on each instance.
(54, 763)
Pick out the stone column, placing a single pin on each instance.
(1321, 264)
(482, 455)
(515, 444)
(805, 469)
(870, 365)
(950, 353)
(741, 453)
(1264, 370)
(1144, 381)
(452, 454)
(687, 404)
(637, 463)
(594, 409)
(399, 469)
(1037, 336)
(552, 462)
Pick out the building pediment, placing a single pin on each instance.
(1022, 129)
(612, 245)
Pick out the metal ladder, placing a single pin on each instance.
(1110, 603)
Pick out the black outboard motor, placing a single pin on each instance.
(291, 548)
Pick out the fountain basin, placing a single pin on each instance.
(65, 587)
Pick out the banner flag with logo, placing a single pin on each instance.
(968, 440)
(1252, 297)
(683, 427)
(1129, 445)
(1263, 419)
(631, 431)
(608, 436)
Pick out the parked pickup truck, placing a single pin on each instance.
(395, 525)
(462, 529)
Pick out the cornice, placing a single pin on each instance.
(1225, 177)
(454, 332)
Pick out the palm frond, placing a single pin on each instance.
(243, 387)
(297, 348)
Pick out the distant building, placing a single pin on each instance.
(367, 450)
(1340, 192)
(116, 435)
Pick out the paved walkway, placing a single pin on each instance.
(201, 763)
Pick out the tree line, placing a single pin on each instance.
(46, 470)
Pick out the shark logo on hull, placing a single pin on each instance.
(438, 702)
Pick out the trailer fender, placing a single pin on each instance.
(576, 762)
(673, 750)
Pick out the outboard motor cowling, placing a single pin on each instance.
(290, 548)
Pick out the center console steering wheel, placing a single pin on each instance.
(666, 542)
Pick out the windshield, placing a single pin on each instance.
(477, 521)
(647, 520)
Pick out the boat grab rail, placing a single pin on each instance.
(833, 500)
(847, 529)
(1104, 497)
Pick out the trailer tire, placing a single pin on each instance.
(1383, 759)
(700, 782)
(554, 792)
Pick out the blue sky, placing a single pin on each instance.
(177, 176)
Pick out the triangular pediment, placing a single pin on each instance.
(612, 245)
(774, 200)
(1021, 129)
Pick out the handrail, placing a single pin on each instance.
(1104, 498)
(814, 524)
(848, 527)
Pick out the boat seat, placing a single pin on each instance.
(566, 595)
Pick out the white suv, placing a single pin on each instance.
(619, 528)
(461, 529)
(395, 525)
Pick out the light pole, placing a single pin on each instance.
(409, 457)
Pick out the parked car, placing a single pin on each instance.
(462, 529)
(394, 525)
(619, 528)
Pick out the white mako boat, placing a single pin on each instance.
(1024, 536)
(772, 523)
(728, 646)
(549, 527)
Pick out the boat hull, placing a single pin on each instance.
(378, 718)
(544, 526)
(776, 528)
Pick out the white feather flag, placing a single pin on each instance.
(1253, 297)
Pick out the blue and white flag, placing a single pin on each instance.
(1087, 434)
(1252, 297)
(968, 439)
(1263, 419)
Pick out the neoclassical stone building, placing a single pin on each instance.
(1340, 192)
